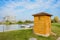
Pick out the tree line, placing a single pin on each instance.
(7, 22)
(55, 20)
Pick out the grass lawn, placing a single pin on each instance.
(28, 33)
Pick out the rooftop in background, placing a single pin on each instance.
(42, 14)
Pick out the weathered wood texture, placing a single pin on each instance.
(42, 24)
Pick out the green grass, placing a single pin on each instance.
(56, 28)
(28, 33)
(56, 24)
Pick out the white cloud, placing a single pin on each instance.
(37, 4)
(40, 5)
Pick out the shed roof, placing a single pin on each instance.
(42, 14)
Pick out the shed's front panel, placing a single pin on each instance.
(42, 24)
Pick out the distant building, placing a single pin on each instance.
(9, 18)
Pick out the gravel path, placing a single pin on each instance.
(58, 38)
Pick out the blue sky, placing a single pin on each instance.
(23, 9)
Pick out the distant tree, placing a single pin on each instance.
(7, 22)
(0, 22)
(52, 21)
(28, 21)
(56, 19)
(19, 22)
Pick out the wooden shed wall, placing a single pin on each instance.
(42, 24)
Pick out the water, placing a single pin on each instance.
(14, 27)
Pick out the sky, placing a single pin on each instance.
(24, 9)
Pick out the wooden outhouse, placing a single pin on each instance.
(42, 24)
